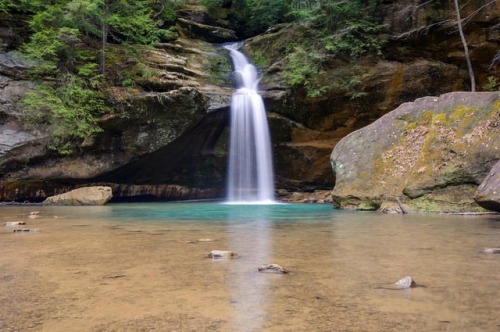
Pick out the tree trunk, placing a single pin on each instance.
(104, 31)
(466, 49)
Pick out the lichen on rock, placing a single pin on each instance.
(432, 154)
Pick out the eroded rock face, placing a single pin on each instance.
(82, 196)
(422, 56)
(18, 143)
(172, 130)
(187, 89)
(199, 24)
(431, 154)
(488, 193)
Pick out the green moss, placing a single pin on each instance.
(426, 117)
(411, 126)
(367, 206)
(425, 205)
(462, 111)
(428, 144)
(260, 59)
(220, 68)
(439, 118)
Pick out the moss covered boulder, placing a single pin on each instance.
(428, 155)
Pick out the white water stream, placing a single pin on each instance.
(250, 177)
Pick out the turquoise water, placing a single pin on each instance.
(144, 267)
(198, 212)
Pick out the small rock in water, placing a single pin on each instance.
(406, 282)
(217, 254)
(206, 240)
(34, 214)
(27, 230)
(14, 223)
(492, 251)
(273, 268)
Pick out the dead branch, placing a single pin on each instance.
(495, 61)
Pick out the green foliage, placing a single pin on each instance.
(70, 110)
(6, 6)
(251, 17)
(21, 6)
(356, 38)
(168, 15)
(128, 82)
(220, 69)
(349, 27)
(259, 58)
(302, 68)
(213, 3)
(338, 28)
(265, 13)
(492, 84)
(54, 48)
(86, 16)
(348, 80)
(67, 44)
(132, 22)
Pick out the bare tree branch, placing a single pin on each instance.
(420, 30)
(466, 48)
(495, 61)
(474, 13)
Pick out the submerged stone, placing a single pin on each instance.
(14, 223)
(492, 251)
(26, 230)
(219, 254)
(205, 240)
(406, 282)
(273, 268)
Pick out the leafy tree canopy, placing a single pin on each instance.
(68, 43)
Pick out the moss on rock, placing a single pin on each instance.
(433, 152)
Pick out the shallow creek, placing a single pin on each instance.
(143, 267)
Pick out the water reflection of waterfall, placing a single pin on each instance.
(250, 176)
(248, 288)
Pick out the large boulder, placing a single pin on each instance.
(428, 155)
(488, 193)
(82, 196)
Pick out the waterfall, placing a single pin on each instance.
(250, 176)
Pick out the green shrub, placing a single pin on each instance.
(70, 110)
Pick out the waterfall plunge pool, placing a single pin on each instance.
(142, 267)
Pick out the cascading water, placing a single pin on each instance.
(250, 177)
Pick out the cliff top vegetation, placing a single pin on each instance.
(77, 47)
